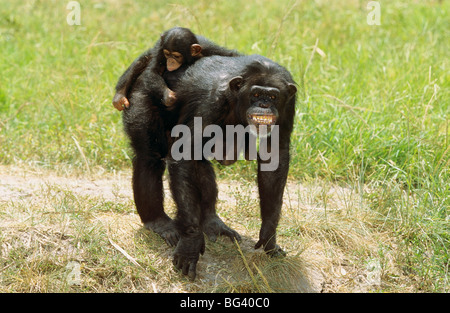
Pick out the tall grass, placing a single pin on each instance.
(372, 108)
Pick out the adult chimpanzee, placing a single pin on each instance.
(173, 53)
(147, 123)
(229, 91)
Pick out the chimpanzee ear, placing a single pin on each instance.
(196, 49)
(236, 83)
(291, 89)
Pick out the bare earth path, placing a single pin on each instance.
(324, 228)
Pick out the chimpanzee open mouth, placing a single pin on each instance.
(259, 116)
(262, 119)
(259, 119)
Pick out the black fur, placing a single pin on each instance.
(154, 58)
(216, 88)
(147, 123)
(205, 91)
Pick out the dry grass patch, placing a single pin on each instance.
(70, 233)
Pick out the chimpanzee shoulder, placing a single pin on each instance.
(207, 79)
(218, 68)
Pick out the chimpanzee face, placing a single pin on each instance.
(260, 103)
(263, 106)
(174, 59)
(178, 46)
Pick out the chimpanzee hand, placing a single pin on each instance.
(268, 241)
(213, 226)
(169, 97)
(120, 101)
(187, 253)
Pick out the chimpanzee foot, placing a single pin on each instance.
(187, 252)
(213, 226)
(277, 252)
(165, 227)
(274, 252)
(270, 247)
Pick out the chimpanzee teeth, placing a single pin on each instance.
(262, 119)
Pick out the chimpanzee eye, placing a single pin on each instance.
(177, 55)
(256, 95)
(273, 97)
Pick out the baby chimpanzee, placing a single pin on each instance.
(177, 49)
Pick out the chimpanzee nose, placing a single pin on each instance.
(264, 104)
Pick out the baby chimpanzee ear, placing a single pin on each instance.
(236, 83)
(196, 49)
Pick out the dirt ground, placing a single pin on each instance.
(327, 252)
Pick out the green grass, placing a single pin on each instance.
(372, 109)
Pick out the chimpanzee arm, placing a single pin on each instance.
(128, 79)
(271, 187)
(132, 72)
(271, 183)
(209, 48)
(155, 85)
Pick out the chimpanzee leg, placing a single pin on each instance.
(149, 198)
(271, 187)
(184, 179)
(148, 187)
(145, 129)
(213, 226)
